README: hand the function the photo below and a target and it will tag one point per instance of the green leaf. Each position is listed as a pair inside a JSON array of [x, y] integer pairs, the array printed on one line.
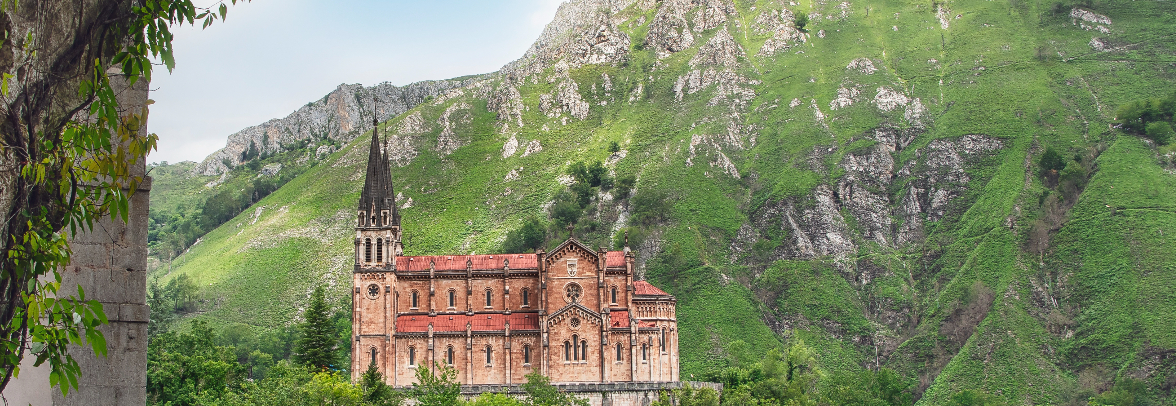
[[223, 10]]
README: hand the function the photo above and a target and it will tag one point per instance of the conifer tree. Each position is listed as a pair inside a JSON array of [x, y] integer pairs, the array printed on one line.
[[316, 347], [375, 391]]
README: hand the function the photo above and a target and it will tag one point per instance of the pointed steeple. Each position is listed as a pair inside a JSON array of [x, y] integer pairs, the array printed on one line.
[[378, 195]]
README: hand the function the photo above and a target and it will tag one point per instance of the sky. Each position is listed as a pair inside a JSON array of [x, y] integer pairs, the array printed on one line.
[[270, 57]]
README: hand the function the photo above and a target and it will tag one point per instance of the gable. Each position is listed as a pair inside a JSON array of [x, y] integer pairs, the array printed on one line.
[[573, 248], [574, 310]]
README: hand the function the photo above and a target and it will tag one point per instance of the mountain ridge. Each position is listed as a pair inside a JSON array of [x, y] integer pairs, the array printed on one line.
[[870, 186]]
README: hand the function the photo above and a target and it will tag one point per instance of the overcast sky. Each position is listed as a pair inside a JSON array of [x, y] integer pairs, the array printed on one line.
[[273, 56]]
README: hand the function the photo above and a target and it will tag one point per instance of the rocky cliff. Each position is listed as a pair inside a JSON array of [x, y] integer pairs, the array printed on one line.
[[340, 116]]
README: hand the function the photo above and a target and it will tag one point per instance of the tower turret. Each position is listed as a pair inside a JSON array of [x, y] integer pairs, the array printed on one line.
[[378, 221]]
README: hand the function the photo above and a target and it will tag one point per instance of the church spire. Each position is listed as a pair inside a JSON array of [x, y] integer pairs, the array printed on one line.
[[378, 197]]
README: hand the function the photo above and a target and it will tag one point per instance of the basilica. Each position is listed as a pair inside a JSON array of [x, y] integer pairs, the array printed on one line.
[[574, 314]]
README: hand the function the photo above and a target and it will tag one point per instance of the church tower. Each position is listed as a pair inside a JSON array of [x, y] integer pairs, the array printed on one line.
[[377, 231], [377, 244]]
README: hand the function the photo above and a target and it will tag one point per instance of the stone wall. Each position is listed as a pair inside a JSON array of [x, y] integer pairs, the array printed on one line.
[[599, 394], [110, 264]]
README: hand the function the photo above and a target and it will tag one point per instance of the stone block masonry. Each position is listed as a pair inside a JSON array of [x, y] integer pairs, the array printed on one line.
[[110, 264]]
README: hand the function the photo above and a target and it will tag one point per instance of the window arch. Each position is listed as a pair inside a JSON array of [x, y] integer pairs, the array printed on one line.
[[526, 297], [384, 218], [489, 297], [583, 350], [614, 295], [567, 351], [644, 352], [452, 298], [663, 339], [379, 250], [367, 250], [361, 219], [411, 355], [415, 298], [620, 352], [373, 355], [449, 355], [526, 354], [489, 351], [575, 347]]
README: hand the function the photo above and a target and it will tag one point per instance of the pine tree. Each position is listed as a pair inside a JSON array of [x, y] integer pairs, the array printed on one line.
[[316, 347], [375, 391]]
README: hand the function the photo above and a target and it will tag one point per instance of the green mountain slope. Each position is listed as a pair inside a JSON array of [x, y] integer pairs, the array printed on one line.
[[870, 186]]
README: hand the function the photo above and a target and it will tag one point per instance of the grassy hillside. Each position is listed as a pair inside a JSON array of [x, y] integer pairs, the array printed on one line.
[[871, 186]]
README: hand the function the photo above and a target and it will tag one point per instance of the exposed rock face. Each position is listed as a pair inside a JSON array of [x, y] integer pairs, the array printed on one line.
[[720, 50], [583, 31], [341, 116], [448, 141], [565, 99], [713, 14], [782, 26], [924, 189], [669, 32]]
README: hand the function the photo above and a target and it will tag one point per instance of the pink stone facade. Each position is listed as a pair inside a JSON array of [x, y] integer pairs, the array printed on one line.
[[574, 314]]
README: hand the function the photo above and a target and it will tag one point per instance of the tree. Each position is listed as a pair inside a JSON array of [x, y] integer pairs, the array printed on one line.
[[439, 389], [540, 392], [614, 147], [494, 399], [1051, 160], [375, 391], [802, 20], [316, 347], [1160, 132], [184, 368], [688, 395], [526, 238], [70, 156]]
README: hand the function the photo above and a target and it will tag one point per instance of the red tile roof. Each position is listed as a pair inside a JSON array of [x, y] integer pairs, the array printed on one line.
[[645, 323], [458, 262], [614, 259], [457, 322], [619, 319], [647, 289]]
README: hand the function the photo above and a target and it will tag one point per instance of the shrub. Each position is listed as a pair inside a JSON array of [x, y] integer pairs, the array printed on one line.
[[1052, 160], [624, 186], [802, 20], [1160, 132], [565, 212], [526, 238], [614, 147]]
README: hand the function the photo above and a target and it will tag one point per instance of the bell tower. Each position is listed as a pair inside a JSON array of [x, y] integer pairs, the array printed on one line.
[[377, 228], [377, 244]]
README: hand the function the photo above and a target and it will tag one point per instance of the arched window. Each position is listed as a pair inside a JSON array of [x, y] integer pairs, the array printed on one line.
[[415, 296], [526, 354], [361, 219], [584, 350], [488, 352], [620, 352], [411, 355], [663, 339], [452, 298], [526, 297], [644, 352], [449, 355], [373, 355], [379, 250], [614, 295], [567, 351], [367, 250], [575, 348], [489, 294], [384, 218]]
